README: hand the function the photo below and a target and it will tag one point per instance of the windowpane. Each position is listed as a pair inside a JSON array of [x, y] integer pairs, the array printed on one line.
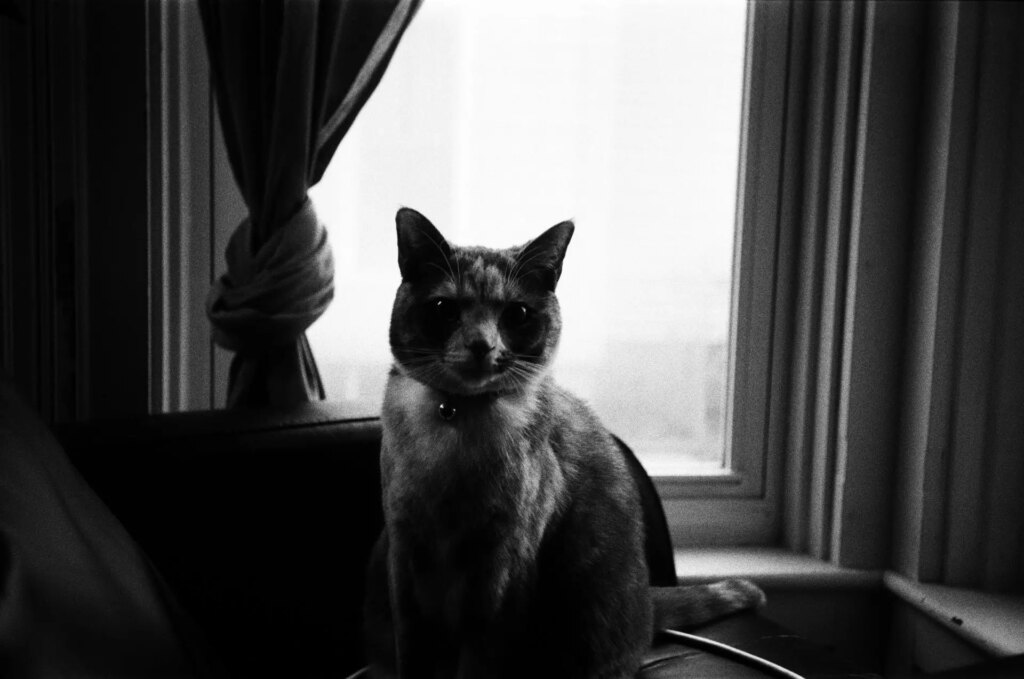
[[497, 120]]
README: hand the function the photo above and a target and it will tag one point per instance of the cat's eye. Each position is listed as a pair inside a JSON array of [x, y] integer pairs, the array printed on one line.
[[516, 315], [444, 309]]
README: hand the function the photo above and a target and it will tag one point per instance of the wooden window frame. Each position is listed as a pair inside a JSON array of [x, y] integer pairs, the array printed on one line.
[[741, 505]]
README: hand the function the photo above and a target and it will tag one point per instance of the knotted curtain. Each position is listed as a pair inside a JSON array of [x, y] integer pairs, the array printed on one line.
[[290, 76]]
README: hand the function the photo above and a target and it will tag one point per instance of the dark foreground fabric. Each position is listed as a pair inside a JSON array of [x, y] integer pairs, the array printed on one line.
[[77, 596], [260, 521]]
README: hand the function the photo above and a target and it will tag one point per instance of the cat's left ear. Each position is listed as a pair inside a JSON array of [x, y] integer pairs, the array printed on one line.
[[541, 258]]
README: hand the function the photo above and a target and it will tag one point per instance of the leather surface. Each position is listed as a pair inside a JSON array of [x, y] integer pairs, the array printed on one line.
[[259, 522], [753, 633]]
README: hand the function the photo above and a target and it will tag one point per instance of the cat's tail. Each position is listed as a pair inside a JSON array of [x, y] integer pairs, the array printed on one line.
[[686, 607]]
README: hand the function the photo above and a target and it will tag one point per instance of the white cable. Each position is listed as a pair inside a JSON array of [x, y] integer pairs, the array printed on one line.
[[731, 652], [700, 642]]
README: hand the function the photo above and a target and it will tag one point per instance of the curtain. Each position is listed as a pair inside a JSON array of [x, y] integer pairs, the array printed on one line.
[[960, 473], [825, 62], [290, 77], [901, 194]]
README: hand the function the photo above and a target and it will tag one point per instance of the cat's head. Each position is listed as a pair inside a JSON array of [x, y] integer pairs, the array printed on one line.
[[472, 320]]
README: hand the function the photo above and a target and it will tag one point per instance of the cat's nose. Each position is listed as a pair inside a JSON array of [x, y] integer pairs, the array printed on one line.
[[479, 347]]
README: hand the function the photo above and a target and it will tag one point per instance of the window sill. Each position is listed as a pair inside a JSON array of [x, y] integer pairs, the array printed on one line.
[[990, 621], [769, 567]]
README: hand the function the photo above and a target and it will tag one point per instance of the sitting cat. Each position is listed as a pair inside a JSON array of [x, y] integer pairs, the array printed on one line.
[[514, 543]]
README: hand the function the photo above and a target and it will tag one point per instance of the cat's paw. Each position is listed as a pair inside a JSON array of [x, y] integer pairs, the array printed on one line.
[[742, 594]]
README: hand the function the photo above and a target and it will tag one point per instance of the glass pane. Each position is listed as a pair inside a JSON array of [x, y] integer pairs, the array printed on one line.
[[499, 119]]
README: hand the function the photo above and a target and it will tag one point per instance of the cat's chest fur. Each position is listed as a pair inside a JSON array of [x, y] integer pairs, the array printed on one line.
[[466, 497], [491, 455]]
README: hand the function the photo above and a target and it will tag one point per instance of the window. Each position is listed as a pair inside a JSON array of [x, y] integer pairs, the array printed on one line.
[[657, 125], [498, 120]]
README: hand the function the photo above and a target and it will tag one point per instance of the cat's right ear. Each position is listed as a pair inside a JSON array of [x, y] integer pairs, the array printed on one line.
[[420, 245]]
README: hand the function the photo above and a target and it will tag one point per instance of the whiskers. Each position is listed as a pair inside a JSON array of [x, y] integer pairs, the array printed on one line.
[[513, 372], [415, 351], [421, 363], [431, 373], [523, 374]]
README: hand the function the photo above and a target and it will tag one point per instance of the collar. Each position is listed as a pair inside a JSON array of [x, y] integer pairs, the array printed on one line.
[[450, 406]]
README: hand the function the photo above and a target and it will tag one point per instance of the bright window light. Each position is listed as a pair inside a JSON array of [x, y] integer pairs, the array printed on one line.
[[497, 120]]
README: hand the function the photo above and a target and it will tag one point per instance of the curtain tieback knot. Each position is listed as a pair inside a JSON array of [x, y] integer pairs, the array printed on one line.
[[270, 297]]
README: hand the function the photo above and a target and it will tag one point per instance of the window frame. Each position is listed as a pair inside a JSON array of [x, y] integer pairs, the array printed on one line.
[[742, 504], [191, 186]]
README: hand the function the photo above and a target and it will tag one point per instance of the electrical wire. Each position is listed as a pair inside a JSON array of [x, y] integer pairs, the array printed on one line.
[[703, 643], [731, 652]]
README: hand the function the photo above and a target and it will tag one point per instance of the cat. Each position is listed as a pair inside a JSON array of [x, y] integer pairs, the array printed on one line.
[[513, 542]]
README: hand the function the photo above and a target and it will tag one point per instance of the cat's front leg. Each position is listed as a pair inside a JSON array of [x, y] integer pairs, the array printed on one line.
[[411, 658], [419, 642], [378, 623], [397, 638]]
